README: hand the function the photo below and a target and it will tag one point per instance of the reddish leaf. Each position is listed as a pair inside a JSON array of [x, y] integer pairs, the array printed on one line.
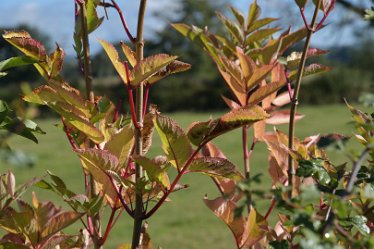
[[265, 91], [27, 45], [282, 117], [232, 104], [202, 132], [225, 210]]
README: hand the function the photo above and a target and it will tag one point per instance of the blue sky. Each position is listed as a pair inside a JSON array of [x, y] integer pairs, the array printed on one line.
[[56, 18]]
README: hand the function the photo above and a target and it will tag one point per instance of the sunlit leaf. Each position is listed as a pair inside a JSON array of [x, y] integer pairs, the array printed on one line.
[[174, 141], [238, 15], [293, 60], [56, 60], [202, 132], [156, 169], [172, 68], [257, 227], [97, 162], [260, 23], [114, 58], [130, 54], [232, 27], [16, 62], [260, 35], [282, 117], [149, 67], [120, 144], [259, 73], [93, 21], [263, 92], [215, 167], [26, 44], [225, 210], [310, 70], [253, 13]]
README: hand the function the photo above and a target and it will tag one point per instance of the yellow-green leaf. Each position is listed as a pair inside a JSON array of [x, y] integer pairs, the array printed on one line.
[[120, 144], [114, 58], [174, 141], [156, 169], [215, 167]]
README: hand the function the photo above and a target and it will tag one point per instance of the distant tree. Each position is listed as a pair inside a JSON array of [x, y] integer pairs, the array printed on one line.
[[202, 83]]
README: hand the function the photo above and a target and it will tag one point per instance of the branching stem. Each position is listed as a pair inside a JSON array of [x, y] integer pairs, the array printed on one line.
[[295, 102]]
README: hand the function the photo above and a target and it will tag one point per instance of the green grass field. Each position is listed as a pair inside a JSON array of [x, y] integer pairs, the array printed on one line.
[[185, 222]]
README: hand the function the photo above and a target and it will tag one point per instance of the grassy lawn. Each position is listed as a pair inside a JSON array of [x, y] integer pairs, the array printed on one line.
[[185, 222]]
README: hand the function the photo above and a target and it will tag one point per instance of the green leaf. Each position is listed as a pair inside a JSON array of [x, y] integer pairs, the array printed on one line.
[[12, 245], [156, 169], [70, 95], [18, 127], [265, 91], [215, 167], [291, 39], [4, 110], [174, 141], [260, 23], [114, 58], [253, 13], [75, 118], [16, 62], [310, 70], [282, 244], [259, 74], [359, 222], [42, 96], [369, 14], [120, 144], [150, 66], [202, 132], [93, 21], [260, 35], [238, 15], [315, 169], [172, 68], [232, 27], [97, 162], [301, 3], [59, 222]]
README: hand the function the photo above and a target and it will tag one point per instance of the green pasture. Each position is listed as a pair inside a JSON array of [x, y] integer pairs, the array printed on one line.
[[185, 222]]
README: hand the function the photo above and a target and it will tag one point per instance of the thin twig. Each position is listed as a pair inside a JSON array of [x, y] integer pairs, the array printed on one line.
[[124, 24], [294, 102], [356, 168]]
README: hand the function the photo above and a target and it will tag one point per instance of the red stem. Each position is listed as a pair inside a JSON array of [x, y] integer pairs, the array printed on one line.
[[119, 195], [109, 226], [131, 38], [131, 97], [271, 208], [175, 182], [147, 87], [117, 111], [304, 19], [68, 135]]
